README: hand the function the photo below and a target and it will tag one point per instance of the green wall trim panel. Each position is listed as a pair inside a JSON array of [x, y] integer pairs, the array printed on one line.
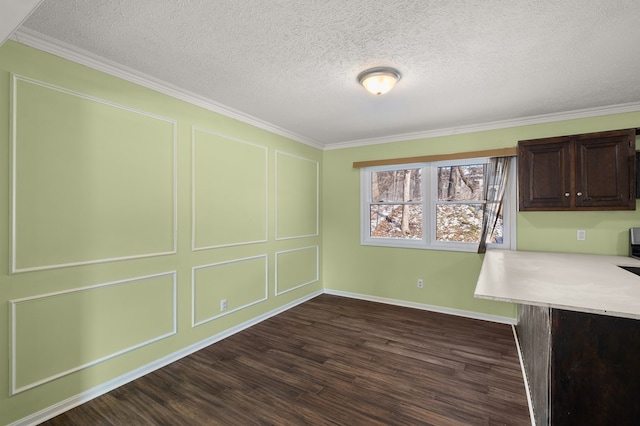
[[89, 394], [88, 193], [239, 282], [297, 196], [82, 327], [229, 192], [296, 268]]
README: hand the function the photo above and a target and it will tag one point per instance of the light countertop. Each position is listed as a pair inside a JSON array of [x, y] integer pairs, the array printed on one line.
[[578, 282]]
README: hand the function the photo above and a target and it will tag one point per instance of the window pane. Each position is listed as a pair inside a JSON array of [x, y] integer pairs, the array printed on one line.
[[461, 183], [396, 221], [458, 222], [396, 185]]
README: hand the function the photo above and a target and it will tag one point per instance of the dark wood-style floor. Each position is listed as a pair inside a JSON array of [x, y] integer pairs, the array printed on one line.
[[332, 361]]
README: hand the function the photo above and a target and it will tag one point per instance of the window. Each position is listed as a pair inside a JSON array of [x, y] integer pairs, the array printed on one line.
[[432, 205], [396, 203]]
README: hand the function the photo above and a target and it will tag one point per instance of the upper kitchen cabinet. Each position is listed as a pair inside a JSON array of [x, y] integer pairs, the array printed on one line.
[[593, 171]]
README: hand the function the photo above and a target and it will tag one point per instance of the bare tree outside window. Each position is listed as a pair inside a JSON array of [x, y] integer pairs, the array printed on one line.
[[396, 204], [451, 206], [459, 204]]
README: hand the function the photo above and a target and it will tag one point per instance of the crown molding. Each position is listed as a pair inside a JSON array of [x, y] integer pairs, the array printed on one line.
[[494, 125], [50, 45], [64, 50]]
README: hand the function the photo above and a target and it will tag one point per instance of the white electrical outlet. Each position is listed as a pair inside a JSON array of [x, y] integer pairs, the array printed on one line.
[[223, 305], [582, 235], [420, 283]]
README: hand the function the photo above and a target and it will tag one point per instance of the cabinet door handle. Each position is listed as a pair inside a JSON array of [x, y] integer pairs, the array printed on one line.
[[579, 194], [567, 194]]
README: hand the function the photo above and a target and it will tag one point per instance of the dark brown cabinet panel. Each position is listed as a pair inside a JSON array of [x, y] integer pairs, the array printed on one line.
[[604, 171], [544, 170], [594, 171], [581, 368], [595, 369]]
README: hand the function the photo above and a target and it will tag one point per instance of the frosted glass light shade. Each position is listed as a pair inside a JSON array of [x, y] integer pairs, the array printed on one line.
[[379, 81]]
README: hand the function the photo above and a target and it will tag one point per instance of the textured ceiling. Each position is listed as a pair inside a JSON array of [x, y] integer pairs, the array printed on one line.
[[293, 63]]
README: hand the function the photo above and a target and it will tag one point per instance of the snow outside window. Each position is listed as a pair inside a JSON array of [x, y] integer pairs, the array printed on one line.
[[432, 206]]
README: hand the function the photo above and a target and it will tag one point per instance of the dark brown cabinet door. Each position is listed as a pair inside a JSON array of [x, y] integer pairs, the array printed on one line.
[[594, 171], [595, 369], [604, 171], [544, 174]]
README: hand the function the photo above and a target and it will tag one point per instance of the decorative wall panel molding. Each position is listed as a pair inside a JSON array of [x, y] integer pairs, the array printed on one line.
[[297, 196], [91, 180], [229, 191], [82, 327], [240, 283], [296, 268], [88, 395]]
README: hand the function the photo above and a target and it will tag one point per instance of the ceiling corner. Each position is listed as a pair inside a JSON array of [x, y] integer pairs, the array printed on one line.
[[14, 13]]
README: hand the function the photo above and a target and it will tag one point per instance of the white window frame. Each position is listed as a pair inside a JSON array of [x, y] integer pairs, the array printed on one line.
[[429, 193]]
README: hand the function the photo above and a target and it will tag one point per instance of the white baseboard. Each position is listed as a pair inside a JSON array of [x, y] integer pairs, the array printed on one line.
[[92, 393], [524, 377], [81, 398], [424, 307]]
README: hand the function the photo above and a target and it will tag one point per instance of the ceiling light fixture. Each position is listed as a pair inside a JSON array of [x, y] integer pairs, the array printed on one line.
[[379, 80]]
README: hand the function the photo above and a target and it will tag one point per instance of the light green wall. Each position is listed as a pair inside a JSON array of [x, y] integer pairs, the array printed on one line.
[[64, 192], [450, 277], [104, 170], [70, 204]]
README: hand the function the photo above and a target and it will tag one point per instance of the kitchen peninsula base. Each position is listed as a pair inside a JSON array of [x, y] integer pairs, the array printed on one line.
[[582, 368], [578, 331]]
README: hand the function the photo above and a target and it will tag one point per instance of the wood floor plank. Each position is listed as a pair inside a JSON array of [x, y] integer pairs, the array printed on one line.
[[332, 361]]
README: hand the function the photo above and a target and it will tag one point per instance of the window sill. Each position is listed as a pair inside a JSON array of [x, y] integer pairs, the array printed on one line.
[[418, 244]]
